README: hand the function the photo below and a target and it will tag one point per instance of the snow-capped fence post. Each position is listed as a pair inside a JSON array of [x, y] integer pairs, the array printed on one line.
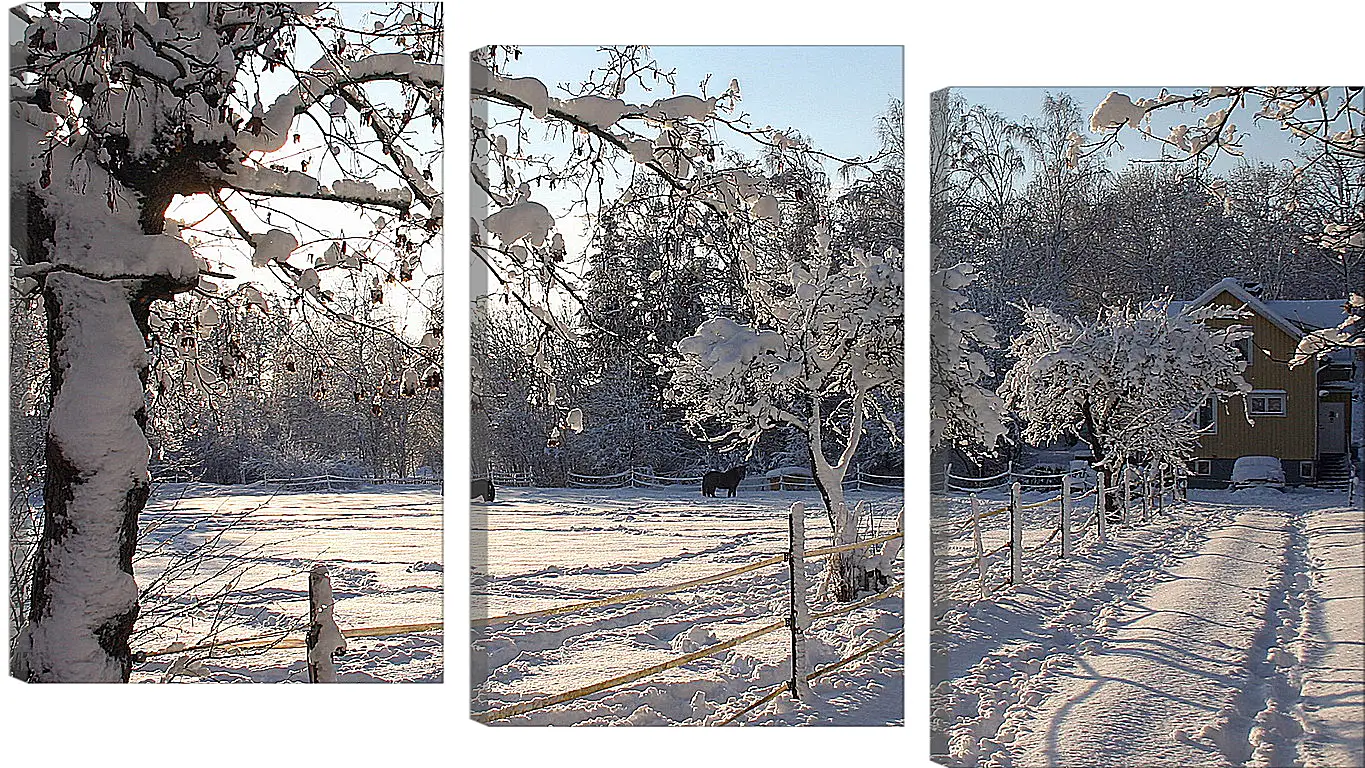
[[1101, 506], [325, 641], [798, 617], [1016, 535], [978, 552], [947, 477], [1009, 471], [1066, 516]]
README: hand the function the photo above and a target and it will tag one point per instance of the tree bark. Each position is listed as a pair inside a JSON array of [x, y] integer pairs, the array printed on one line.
[[84, 600], [846, 567]]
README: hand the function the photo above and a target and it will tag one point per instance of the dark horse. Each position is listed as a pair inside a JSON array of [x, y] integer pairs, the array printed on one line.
[[484, 489], [728, 480]]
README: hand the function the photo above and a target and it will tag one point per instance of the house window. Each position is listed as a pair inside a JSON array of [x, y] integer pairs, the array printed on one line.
[[1201, 467], [1267, 404], [1306, 470], [1206, 418]]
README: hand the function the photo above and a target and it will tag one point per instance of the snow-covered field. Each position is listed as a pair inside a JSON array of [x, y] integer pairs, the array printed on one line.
[[1227, 631], [538, 548], [221, 562]]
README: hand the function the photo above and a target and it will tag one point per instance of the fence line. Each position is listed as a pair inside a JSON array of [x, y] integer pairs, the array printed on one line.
[[637, 477], [1005, 478], [855, 545], [795, 621], [850, 607], [1144, 491], [625, 598], [630, 677], [310, 481], [282, 642], [542, 702]]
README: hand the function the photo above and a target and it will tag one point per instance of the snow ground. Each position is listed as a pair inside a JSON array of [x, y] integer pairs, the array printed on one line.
[[538, 548], [383, 548], [1225, 632]]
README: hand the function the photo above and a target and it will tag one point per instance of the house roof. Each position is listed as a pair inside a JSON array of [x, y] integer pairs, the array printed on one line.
[[1295, 317], [1311, 315]]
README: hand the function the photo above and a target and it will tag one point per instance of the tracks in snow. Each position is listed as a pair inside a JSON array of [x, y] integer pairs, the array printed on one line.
[[1183, 659]]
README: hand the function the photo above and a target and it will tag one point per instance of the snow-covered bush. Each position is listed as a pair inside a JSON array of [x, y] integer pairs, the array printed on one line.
[[963, 412]]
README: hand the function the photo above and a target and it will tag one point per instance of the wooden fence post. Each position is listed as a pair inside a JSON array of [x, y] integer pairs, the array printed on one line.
[[1127, 492], [325, 641], [1101, 506], [1066, 516], [1160, 488], [977, 549], [947, 477], [799, 616], [1016, 535]]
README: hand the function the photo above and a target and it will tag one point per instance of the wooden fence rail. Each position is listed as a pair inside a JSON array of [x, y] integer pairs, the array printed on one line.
[[796, 621], [1140, 495]]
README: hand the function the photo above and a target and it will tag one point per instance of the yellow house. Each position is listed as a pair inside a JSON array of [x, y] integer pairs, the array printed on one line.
[[1299, 415]]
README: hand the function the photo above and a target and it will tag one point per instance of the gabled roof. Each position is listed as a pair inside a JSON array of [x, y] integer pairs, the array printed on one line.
[[1233, 286], [1296, 316]]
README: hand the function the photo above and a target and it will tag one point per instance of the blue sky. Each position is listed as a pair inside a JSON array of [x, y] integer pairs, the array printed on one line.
[[832, 94], [1263, 141]]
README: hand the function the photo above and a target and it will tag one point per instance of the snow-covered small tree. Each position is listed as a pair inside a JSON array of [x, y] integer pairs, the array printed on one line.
[[826, 347], [1128, 383], [963, 412]]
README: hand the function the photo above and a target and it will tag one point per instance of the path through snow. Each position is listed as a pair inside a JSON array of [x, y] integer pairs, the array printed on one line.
[[1227, 635]]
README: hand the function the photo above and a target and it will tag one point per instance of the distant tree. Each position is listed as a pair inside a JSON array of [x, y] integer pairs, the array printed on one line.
[[120, 109]]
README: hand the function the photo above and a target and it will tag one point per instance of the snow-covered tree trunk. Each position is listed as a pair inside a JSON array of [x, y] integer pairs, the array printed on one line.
[[846, 568], [84, 598]]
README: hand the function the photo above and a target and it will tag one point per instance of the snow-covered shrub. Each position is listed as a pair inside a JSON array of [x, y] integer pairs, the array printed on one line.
[[963, 412]]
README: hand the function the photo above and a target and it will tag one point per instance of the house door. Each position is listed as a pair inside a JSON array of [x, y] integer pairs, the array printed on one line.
[[1331, 428]]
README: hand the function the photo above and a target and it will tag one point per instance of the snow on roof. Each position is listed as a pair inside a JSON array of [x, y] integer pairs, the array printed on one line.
[[1295, 317], [1312, 315]]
